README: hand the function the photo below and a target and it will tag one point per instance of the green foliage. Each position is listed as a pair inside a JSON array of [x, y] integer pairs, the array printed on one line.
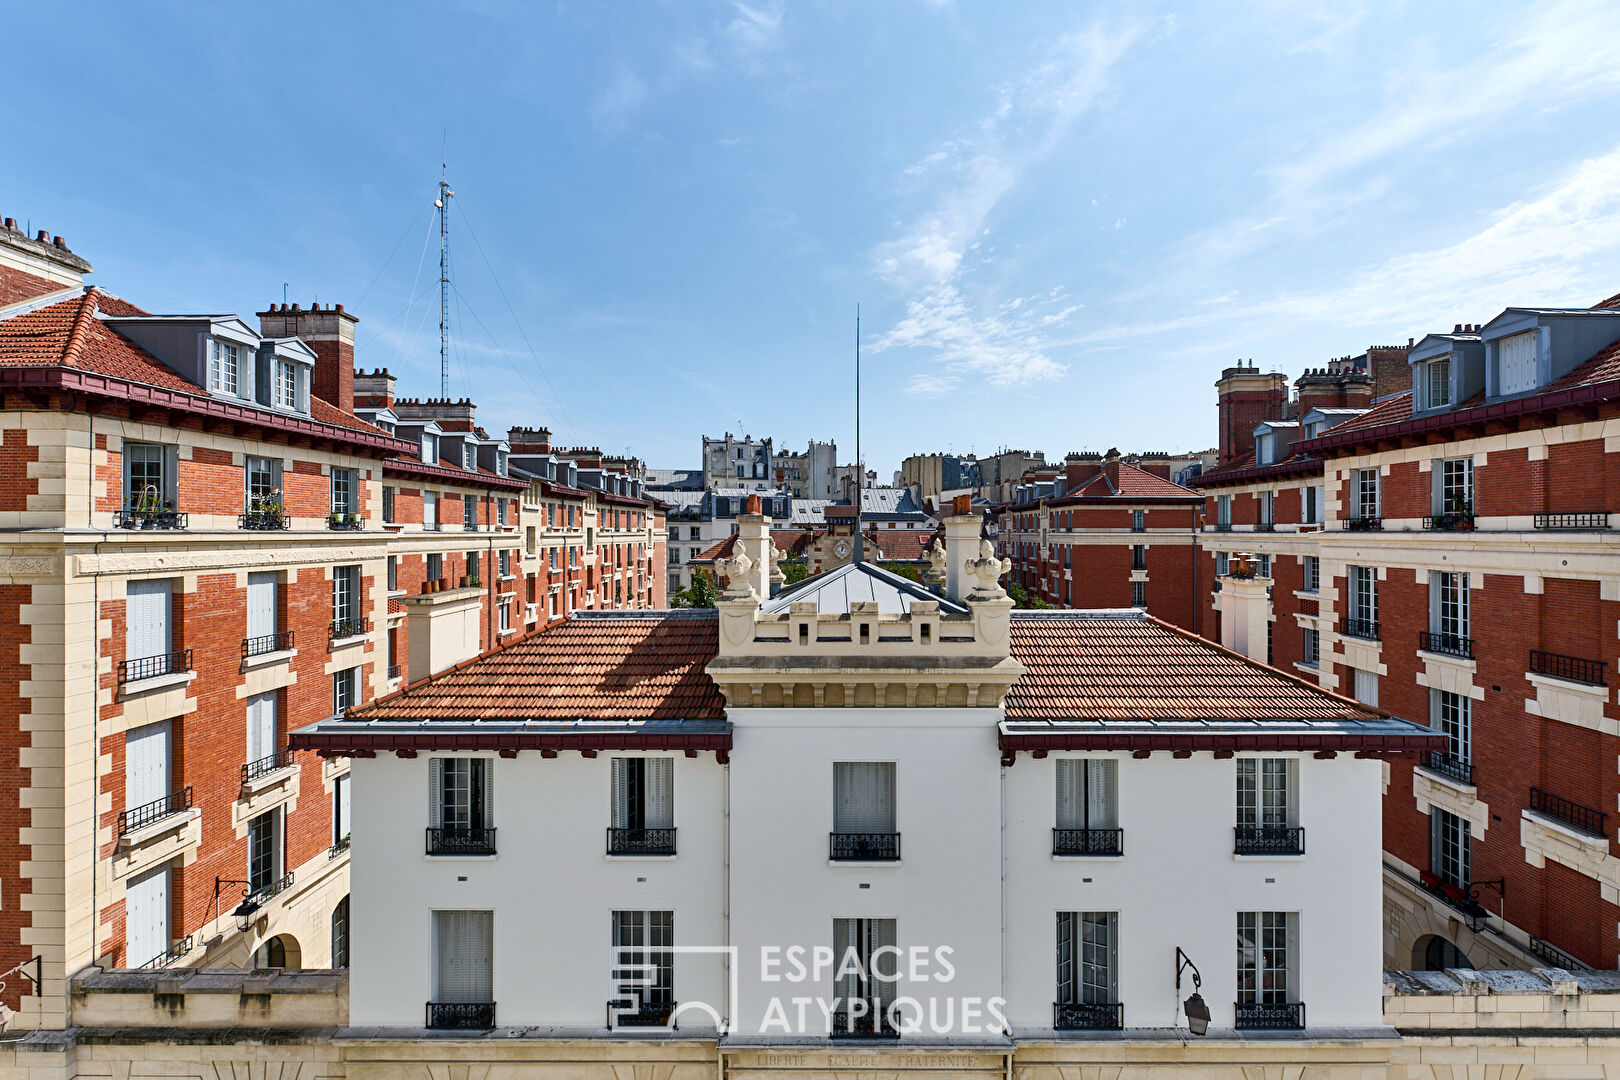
[[1023, 599], [702, 593], [794, 570], [907, 570]]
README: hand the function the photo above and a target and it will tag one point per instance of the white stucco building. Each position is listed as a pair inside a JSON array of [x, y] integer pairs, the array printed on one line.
[[865, 809]]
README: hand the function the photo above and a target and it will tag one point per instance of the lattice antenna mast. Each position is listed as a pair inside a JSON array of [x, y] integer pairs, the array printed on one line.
[[860, 465], [443, 204]]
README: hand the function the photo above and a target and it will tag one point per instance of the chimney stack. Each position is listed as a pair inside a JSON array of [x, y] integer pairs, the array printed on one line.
[[962, 528], [46, 257], [329, 331], [524, 440], [1111, 467], [1246, 397]]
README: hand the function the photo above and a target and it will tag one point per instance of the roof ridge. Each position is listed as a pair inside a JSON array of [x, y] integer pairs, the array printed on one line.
[[82, 321]]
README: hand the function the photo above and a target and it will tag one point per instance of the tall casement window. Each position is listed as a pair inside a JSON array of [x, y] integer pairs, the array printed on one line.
[[345, 499], [1311, 504], [264, 852], [1138, 520], [1088, 970], [1437, 384], [147, 779], [1364, 494], [340, 934], [643, 968], [1268, 509], [1454, 489], [346, 619], [1312, 648], [461, 806], [223, 366], [340, 810], [345, 690], [262, 622], [1267, 810], [393, 573], [430, 511], [146, 916], [858, 945], [1138, 556], [1516, 363], [1365, 686], [430, 448], [1139, 594], [1450, 714], [1223, 563], [263, 479], [1448, 614], [864, 811], [388, 504], [643, 810], [148, 640], [463, 970], [287, 385], [1223, 511], [150, 471], [1268, 970], [1362, 612], [1311, 567], [1450, 847], [435, 566], [1087, 807], [261, 734]]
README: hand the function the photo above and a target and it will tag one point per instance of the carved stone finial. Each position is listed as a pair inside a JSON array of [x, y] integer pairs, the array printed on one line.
[[737, 569], [986, 572], [935, 575], [774, 553]]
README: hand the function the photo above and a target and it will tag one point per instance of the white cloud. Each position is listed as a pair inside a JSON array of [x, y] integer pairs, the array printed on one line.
[[618, 101], [1030, 116], [755, 29]]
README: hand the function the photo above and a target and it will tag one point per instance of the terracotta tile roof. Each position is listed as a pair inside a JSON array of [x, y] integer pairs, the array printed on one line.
[[1604, 367], [1241, 464], [1389, 411], [903, 545], [617, 666], [1131, 666], [1133, 483], [790, 542], [19, 285], [1611, 302]]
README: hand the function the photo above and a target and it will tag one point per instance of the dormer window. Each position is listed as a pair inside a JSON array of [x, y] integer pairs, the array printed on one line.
[[430, 448], [500, 463], [1263, 449], [223, 363], [1516, 363], [468, 457], [286, 385], [1437, 383]]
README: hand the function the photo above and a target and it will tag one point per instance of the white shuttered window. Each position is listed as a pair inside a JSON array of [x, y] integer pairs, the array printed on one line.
[[146, 619], [863, 797], [146, 916], [146, 770], [261, 605], [1087, 793], [464, 957], [261, 726], [1516, 363]]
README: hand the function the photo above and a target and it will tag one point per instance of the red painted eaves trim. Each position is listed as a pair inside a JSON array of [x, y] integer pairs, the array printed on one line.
[[1347, 742], [1307, 467], [410, 467], [367, 744]]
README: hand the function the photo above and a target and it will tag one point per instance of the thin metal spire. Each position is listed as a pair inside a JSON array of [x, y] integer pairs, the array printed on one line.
[[860, 466], [443, 203]]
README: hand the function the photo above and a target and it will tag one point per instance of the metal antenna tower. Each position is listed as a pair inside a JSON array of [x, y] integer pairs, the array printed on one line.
[[443, 204], [860, 465]]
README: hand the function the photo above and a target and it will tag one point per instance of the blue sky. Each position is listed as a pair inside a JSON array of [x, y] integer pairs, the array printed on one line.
[[1060, 219]]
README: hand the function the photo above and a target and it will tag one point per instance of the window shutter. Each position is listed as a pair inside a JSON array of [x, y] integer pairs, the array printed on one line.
[[620, 806], [1102, 806], [1070, 808], [660, 804], [261, 605], [864, 796], [146, 617], [1517, 363], [435, 792], [1065, 957], [146, 769], [261, 721], [146, 916], [484, 773], [1247, 795], [340, 789]]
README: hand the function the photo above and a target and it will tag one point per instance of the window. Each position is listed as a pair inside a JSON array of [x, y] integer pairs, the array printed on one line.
[[863, 798], [430, 511], [463, 958], [345, 689], [146, 767], [553, 554], [1450, 714], [469, 456], [500, 462], [146, 916], [222, 366], [343, 492], [286, 385], [147, 631], [500, 511], [1437, 383], [1138, 520], [1365, 686], [692, 533], [1450, 847], [264, 851], [435, 566], [1264, 567], [1364, 494], [506, 615], [1138, 556], [506, 562], [1267, 957], [149, 476], [388, 504], [1454, 486], [644, 966], [472, 567], [461, 796], [340, 808], [1448, 610], [340, 934], [1516, 363], [864, 953], [1263, 788], [1364, 597], [1268, 508], [1139, 594], [393, 573], [1311, 572], [1223, 510], [263, 477], [345, 600], [261, 612], [643, 793], [1223, 562], [1312, 648], [1088, 800], [430, 448], [1263, 448], [1087, 961], [1311, 499], [261, 727]]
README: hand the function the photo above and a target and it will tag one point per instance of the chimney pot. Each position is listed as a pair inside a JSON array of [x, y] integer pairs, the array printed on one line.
[[295, 307], [340, 307], [11, 223], [1456, 328], [61, 243], [43, 237]]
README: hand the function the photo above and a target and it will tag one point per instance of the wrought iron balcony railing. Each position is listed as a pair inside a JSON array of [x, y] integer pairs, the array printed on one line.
[[1446, 644], [169, 955], [280, 641], [252, 770], [641, 841], [869, 1025], [338, 848], [1268, 840], [1577, 519], [1222, 526], [175, 662], [1572, 668], [265, 893], [1460, 521], [1077, 1016], [1275, 1015], [139, 817], [465, 840], [1571, 813], [1366, 629], [1448, 766], [470, 526], [461, 1015], [394, 671], [1362, 524], [864, 847], [348, 628], [1265, 526], [1088, 841], [626, 1013], [264, 519], [150, 519]]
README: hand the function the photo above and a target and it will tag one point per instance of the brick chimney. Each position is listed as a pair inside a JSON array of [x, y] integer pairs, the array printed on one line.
[[1390, 372], [1245, 397], [374, 389], [30, 267], [1340, 385], [525, 440], [1111, 467], [329, 331]]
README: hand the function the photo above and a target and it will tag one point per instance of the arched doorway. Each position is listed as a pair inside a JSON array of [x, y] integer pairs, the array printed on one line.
[[1435, 953], [281, 951], [340, 934]]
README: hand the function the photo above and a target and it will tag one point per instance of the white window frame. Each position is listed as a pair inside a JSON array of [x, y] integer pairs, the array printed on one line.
[[224, 367]]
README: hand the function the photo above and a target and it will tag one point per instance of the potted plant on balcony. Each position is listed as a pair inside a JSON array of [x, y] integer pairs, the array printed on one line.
[[334, 521], [473, 581], [264, 511], [1461, 515], [351, 521]]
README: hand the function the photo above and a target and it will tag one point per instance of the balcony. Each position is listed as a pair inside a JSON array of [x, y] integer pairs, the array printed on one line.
[[1261, 1016], [131, 518], [469, 526], [1446, 644], [343, 629], [864, 847], [1581, 817], [1572, 668], [464, 840], [1088, 841], [1366, 629], [264, 520], [641, 841], [281, 641], [338, 848], [1362, 524], [345, 522], [177, 662], [252, 770], [1100, 1016], [1268, 840], [169, 955], [461, 1015], [265, 893], [1222, 526], [1458, 896], [394, 672], [141, 816], [849, 1025], [1460, 521], [1265, 526], [1577, 519], [626, 1013], [1450, 767]]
